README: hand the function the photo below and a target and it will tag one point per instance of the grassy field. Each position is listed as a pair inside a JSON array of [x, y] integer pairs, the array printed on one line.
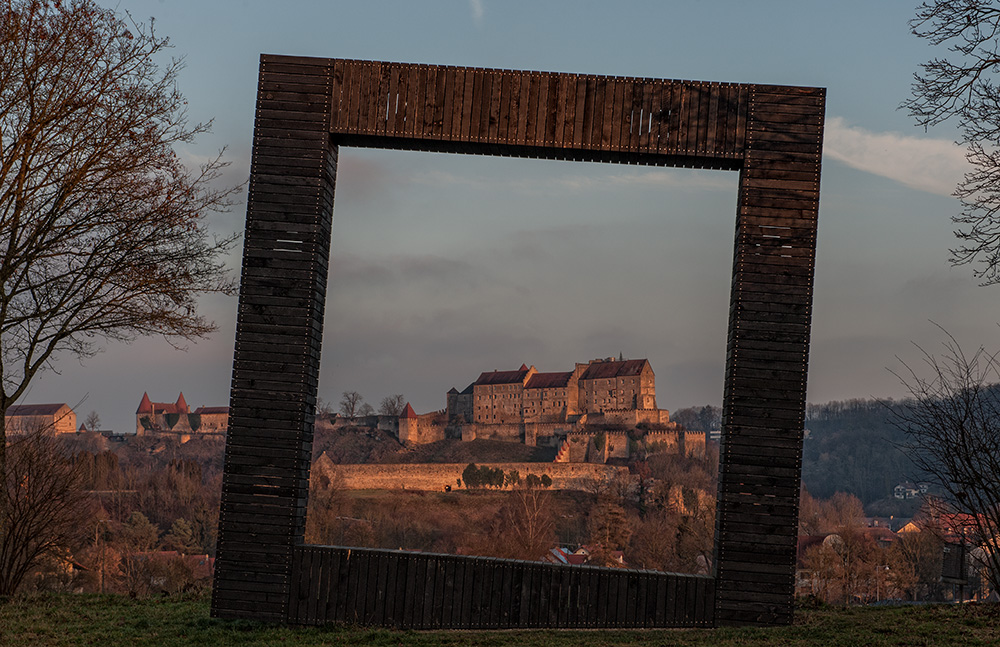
[[170, 622]]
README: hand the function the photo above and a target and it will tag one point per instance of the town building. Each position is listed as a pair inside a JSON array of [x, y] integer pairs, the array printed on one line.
[[26, 418]]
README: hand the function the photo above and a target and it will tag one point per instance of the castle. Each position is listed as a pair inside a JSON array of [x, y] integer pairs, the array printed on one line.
[[600, 391], [569, 410], [177, 418]]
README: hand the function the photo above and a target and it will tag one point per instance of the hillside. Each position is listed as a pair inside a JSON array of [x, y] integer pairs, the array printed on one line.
[[347, 445]]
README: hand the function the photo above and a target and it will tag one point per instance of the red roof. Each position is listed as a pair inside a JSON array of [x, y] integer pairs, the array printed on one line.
[[34, 409], [548, 380], [603, 370], [201, 410], [502, 377], [145, 406], [408, 412]]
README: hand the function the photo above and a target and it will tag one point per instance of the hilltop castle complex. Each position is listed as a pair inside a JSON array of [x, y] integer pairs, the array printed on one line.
[[604, 401]]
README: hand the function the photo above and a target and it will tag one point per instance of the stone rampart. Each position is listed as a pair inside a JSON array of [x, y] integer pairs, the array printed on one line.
[[435, 476]]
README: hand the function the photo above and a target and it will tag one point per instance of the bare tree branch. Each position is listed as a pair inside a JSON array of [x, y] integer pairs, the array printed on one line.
[[952, 426], [102, 227], [961, 88]]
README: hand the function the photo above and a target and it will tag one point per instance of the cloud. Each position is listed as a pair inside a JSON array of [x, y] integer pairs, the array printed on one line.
[[932, 165], [477, 11]]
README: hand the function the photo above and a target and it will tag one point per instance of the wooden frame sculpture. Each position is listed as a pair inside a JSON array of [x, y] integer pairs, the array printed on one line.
[[306, 109]]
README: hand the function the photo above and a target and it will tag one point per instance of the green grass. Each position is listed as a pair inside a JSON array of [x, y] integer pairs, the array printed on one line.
[[113, 620]]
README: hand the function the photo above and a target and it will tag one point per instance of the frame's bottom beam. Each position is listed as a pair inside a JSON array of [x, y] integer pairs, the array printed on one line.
[[429, 591]]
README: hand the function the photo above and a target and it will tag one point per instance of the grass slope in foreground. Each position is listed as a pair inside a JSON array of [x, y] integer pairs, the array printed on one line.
[[109, 620]]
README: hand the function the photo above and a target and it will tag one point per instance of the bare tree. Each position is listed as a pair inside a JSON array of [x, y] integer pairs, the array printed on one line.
[[350, 404], [102, 227], [93, 421], [392, 405], [42, 506], [952, 428], [961, 87]]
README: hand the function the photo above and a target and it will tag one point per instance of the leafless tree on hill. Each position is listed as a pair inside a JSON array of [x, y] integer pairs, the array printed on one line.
[[350, 404], [953, 436], [392, 405], [93, 421]]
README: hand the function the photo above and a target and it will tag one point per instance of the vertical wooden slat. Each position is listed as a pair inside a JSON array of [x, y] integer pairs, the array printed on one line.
[[337, 109], [365, 98], [541, 109], [618, 117], [484, 109], [579, 111], [496, 95], [666, 136], [562, 104], [382, 99], [741, 120], [569, 118], [712, 144], [430, 101], [506, 106], [523, 98], [451, 118], [440, 96], [467, 84]]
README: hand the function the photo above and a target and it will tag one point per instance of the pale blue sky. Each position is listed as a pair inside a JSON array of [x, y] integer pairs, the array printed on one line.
[[445, 266]]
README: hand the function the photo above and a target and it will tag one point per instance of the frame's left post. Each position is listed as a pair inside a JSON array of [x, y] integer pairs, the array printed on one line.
[[278, 338]]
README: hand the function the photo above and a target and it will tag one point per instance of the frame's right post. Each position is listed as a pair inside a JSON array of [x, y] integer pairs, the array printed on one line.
[[767, 357]]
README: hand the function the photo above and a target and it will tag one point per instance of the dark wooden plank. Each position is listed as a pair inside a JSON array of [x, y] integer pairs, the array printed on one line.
[[507, 96], [484, 109], [441, 90], [429, 593], [550, 111], [617, 109], [564, 116], [579, 111], [541, 109], [428, 108], [523, 100], [600, 104], [496, 97], [607, 124]]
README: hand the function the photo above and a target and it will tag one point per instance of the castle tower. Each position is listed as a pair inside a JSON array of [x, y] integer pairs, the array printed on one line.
[[408, 425]]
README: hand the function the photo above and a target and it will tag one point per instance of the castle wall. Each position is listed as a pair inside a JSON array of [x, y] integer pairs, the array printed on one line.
[[435, 476], [420, 430]]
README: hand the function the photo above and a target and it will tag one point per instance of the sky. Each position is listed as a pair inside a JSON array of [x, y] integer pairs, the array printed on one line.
[[444, 266]]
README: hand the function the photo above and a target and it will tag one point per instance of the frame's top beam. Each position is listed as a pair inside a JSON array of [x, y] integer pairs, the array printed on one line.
[[529, 114]]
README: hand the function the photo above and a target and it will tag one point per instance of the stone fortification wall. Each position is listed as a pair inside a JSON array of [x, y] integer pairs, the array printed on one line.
[[435, 476]]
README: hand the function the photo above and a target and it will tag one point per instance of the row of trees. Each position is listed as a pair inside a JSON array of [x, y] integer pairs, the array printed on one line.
[[474, 477], [353, 405]]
